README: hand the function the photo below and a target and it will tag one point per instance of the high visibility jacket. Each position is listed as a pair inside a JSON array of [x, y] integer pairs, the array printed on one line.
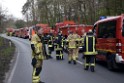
[[36, 41], [89, 45], [78, 40], [71, 41], [50, 41], [59, 42]]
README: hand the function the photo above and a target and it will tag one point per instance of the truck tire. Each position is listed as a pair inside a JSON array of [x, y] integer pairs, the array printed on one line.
[[111, 63]]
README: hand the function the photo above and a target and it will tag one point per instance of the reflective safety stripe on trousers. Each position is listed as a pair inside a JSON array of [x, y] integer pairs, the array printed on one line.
[[50, 45], [35, 79]]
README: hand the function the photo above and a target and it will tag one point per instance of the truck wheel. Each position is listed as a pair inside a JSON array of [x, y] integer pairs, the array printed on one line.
[[111, 63]]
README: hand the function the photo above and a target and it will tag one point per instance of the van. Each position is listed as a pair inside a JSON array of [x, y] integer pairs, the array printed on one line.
[[110, 40]]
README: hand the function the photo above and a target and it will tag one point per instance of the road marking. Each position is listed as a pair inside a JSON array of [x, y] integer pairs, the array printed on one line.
[[76, 60], [13, 69], [80, 62]]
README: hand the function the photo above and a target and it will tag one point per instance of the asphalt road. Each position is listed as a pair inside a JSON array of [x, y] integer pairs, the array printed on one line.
[[57, 71]]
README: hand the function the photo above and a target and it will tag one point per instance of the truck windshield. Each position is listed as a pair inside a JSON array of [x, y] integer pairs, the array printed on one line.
[[107, 29]]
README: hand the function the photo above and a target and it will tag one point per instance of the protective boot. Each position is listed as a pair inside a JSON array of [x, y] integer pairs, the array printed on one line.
[[57, 57], [69, 62], [74, 62], [41, 82], [86, 68], [92, 69]]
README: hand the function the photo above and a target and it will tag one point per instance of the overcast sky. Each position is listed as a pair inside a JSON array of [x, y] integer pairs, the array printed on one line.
[[13, 7]]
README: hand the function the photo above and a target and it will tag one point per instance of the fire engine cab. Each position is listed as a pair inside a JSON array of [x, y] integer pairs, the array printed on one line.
[[110, 40]]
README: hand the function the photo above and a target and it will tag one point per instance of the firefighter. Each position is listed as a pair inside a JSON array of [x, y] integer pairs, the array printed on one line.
[[44, 42], [89, 51], [37, 55], [59, 46], [82, 43], [50, 44], [77, 44], [71, 48]]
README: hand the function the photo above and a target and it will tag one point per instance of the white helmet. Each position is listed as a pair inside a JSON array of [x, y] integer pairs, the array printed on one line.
[[84, 34], [90, 30]]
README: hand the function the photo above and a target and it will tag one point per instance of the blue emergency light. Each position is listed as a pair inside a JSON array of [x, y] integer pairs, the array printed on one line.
[[102, 17]]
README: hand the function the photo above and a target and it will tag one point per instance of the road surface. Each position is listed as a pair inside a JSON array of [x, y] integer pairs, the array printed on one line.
[[57, 71]]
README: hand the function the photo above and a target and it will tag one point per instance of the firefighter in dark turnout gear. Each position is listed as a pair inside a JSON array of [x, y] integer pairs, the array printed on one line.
[[59, 46], [44, 42], [37, 55], [50, 45], [89, 51]]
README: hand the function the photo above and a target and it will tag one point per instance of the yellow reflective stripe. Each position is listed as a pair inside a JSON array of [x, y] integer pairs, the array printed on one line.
[[93, 44], [92, 64], [86, 64], [36, 81], [66, 40], [90, 53], [72, 47], [33, 42], [50, 45], [61, 54], [36, 77], [58, 48], [78, 39], [86, 44]]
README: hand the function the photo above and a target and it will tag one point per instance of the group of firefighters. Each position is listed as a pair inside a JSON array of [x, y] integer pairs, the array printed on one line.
[[42, 48]]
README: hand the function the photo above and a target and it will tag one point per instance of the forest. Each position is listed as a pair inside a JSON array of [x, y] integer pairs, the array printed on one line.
[[53, 11], [81, 11]]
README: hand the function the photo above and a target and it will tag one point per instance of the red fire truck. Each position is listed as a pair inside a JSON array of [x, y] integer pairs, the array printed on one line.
[[24, 32], [110, 40], [45, 27], [80, 29], [61, 24], [16, 32], [68, 26], [9, 31]]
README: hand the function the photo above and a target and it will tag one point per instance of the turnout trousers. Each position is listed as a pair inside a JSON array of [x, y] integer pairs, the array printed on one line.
[[89, 62], [71, 55], [59, 54]]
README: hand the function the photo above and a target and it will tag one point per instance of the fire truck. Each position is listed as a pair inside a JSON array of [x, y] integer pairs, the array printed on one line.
[[24, 32], [79, 29], [16, 32], [45, 27], [110, 40], [9, 31], [62, 24], [67, 26]]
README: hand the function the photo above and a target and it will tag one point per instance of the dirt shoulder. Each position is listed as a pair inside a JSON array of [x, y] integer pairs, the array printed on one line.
[[7, 51]]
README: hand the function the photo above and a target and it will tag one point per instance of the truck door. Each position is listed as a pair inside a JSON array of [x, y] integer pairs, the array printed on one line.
[[123, 39]]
